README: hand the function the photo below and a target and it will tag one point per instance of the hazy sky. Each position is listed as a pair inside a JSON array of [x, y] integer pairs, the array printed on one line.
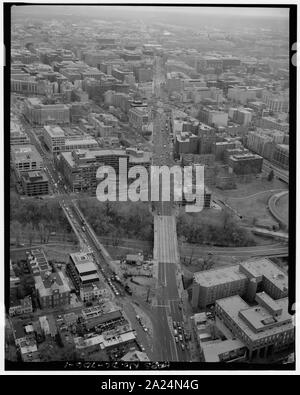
[[220, 10]]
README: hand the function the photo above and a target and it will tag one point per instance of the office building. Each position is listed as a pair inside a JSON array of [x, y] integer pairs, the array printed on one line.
[[265, 276], [242, 94], [186, 143], [265, 328], [276, 102], [245, 279], [25, 158], [263, 142], [281, 156], [241, 116], [38, 113], [246, 163], [18, 137], [210, 285], [206, 63], [138, 117], [268, 122], [83, 271], [35, 183], [213, 117], [221, 147], [54, 138], [207, 139], [226, 351], [80, 166], [57, 140]]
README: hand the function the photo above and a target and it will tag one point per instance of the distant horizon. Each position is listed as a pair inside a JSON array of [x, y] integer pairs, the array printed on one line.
[[241, 11]]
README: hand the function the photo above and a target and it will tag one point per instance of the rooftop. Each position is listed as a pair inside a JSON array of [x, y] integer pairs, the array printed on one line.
[[265, 267], [25, 153], [83, 262], [215, 277], [34, 176], [47, 285], [212, 351], [135, 356], [54, 131], [256, 322]]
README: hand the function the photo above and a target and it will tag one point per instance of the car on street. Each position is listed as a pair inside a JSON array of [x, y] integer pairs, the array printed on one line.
[[176, 339], [182, 346], [180, 338]]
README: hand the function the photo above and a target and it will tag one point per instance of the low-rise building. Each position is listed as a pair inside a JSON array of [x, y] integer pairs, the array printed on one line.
[[245, 163], [223, 351], [83, 271], [245, 279], [95, 290], [106, 342], [138, 116], [20, 306], [38, 262], [210, 285], [52, 290], [38, 113], [265, 328], [29, 351], [135, 355]]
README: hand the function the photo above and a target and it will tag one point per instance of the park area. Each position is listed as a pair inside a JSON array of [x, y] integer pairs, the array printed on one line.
[[250, 201]]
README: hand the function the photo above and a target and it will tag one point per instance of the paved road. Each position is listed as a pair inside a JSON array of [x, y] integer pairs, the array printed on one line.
[[165, 252], [274, 209], [276, 249]]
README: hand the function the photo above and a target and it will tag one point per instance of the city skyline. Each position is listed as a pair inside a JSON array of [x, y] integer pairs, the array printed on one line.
[[99, 269]]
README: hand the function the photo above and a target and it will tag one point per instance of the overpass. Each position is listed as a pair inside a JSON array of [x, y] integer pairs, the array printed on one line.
[[272, 205]]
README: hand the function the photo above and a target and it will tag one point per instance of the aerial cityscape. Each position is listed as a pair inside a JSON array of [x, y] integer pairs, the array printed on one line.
[[187, 263]]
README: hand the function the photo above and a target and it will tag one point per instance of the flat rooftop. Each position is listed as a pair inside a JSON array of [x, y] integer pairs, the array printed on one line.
[[25, 153], [212, 351], [265, 267], [220, 276], [256, 322], [83, 262], [54, 131], [83, 141], [34, 176]]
